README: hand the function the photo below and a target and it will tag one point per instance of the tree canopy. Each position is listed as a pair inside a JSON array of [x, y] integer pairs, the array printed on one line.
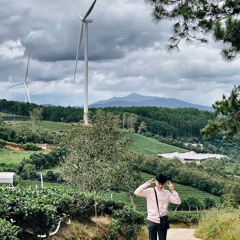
[[227, 113], [98, 157], [195, 19]]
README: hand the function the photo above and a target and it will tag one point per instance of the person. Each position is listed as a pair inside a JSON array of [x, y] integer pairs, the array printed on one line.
[[154, 210]]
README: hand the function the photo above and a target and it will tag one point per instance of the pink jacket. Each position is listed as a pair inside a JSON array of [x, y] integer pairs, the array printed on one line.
[[164, 198]]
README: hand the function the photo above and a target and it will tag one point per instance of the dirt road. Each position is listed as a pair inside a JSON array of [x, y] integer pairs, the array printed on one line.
[[181, 234]]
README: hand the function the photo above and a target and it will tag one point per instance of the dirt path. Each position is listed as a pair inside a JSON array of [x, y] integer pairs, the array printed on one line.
[[181, 234]]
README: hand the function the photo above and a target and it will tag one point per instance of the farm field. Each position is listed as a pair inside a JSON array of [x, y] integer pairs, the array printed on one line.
[[151, 146], [183, 191]]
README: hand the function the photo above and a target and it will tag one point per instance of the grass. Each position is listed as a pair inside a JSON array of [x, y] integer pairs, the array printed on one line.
[[13, 158], [151, 146], [47, 125], [223, 224]]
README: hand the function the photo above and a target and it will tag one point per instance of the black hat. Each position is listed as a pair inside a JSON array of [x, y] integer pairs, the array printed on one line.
[[161, 178]]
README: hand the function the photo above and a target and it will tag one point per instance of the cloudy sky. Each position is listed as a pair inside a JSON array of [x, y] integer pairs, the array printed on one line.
[[126, 54]]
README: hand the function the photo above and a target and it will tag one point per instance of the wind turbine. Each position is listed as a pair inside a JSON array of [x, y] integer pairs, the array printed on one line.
[[27, 96], [84, 26]]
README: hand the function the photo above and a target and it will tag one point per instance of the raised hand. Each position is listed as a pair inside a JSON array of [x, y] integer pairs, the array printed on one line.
[[170, 186], [149, 182]]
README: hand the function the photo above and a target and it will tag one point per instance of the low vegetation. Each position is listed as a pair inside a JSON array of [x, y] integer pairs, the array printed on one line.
[[222, 224], [38, 212]]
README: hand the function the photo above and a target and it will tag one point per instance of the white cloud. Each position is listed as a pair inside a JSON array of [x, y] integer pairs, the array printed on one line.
[[126, 54], [12, 49]]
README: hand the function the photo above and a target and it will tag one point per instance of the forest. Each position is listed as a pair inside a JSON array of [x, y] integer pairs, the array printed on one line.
[[165, 122]]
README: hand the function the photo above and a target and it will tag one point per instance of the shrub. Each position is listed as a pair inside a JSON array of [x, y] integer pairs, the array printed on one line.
[[126, 222], [107, 206], [223, 224], [8, 231], [186, 217]]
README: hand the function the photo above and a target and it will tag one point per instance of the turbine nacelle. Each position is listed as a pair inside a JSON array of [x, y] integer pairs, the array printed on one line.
[[83, 19]]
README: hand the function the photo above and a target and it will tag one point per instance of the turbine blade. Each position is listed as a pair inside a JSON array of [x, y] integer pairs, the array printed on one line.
[[78, 15], [14, 86], [78, 49], [25, 80], [89, 10]]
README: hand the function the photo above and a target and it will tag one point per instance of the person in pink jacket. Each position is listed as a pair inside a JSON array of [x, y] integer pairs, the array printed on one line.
[[158, 199]]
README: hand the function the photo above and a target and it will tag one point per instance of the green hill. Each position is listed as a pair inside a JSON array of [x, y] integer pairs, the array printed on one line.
[[151, 146]]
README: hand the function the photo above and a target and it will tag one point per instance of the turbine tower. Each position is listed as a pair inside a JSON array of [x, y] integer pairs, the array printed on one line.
[[27, 96], [84, 26]]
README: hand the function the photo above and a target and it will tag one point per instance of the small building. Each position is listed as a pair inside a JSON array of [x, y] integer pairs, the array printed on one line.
[[7, 178]]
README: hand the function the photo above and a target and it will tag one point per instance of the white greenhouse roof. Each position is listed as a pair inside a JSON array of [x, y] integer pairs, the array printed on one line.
[[190, 155]]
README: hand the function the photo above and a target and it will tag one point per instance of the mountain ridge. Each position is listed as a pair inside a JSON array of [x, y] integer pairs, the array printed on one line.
[[137, 100]]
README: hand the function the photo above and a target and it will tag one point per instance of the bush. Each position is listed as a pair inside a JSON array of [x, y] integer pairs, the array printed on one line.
[[220, 224], [8, 231], [40, 210], [185, 217], [30, 147], [126, 222], [107, 206]]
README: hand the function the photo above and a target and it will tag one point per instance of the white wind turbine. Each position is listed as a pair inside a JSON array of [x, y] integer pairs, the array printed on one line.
[[27, 96], [84, 26]]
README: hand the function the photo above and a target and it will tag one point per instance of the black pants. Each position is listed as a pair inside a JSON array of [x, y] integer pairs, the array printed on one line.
[[154, 229]]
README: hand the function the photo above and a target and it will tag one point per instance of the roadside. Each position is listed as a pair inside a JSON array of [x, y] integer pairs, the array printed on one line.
[[181, 234]]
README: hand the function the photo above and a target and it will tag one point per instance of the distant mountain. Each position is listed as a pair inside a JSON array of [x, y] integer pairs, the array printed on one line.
[[138, 100]]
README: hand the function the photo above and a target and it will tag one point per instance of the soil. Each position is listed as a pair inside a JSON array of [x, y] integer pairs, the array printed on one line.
[[16, 148], [181, 234]]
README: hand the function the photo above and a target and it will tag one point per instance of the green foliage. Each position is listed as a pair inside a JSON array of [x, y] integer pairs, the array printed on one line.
[[150, 146], [36, 117], [185, 174], [126, 222], [184, 217], [98, 156], [228, 116], [8, 231], [21, 133], [165, 122], [194, 19], [40, 210], [38, 161], [220, 224], [231, 194]]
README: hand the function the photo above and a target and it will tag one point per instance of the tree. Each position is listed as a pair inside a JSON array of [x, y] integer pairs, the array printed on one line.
[[142, 128], [195, 19], [98, 157], [131, 121], [209, 203], [227, 119], [231, 196], [36, 117]]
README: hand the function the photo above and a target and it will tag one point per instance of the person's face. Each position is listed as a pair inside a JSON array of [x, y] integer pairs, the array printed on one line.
[[159, 186]]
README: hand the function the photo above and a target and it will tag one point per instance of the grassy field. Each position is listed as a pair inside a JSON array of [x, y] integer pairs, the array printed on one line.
[[48, 125], [151, 146], [13, 158]]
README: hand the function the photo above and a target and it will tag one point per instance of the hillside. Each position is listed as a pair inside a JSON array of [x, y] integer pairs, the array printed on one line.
[[151, 146]]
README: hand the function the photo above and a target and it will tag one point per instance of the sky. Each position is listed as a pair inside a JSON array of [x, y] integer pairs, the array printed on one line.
[[127, 54]]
